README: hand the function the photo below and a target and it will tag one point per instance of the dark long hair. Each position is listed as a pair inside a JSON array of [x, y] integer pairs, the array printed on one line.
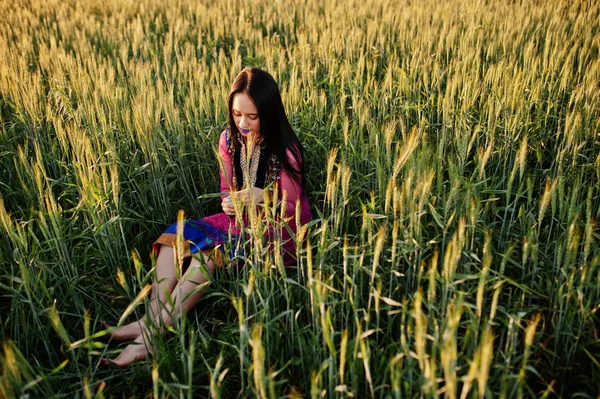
[[278, 135]]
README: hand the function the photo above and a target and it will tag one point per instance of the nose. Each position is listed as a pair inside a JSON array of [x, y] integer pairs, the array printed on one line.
[[244, 122]]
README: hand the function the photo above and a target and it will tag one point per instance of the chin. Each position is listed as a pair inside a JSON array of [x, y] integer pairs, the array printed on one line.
[[248, 133]]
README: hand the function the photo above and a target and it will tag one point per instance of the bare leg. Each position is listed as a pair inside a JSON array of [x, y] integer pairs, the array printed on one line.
[[184, 296], [163, 284]]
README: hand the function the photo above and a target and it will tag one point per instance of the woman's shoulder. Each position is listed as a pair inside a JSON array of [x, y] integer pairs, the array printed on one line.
[[293, 153], [224, 142], [224, 138], [225, 133]]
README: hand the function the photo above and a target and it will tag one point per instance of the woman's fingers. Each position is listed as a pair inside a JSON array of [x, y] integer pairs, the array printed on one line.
[[244, 197], [227, 206], [257, 193], [248, 195]]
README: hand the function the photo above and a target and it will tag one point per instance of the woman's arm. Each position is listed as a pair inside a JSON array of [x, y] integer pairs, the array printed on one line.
[[225, 166], [225, 174], [289, 186], [226, 179]]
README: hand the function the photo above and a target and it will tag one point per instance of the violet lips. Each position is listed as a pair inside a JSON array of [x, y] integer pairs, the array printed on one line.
[[244, 131]]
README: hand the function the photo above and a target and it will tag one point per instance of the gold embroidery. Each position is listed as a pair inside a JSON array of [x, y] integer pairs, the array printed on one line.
[[250, 169]]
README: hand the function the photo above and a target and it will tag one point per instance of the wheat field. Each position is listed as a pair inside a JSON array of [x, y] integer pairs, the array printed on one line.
[[453, 164]]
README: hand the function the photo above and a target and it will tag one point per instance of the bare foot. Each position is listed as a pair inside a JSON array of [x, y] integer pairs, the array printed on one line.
[[132, 353], [126, 332]]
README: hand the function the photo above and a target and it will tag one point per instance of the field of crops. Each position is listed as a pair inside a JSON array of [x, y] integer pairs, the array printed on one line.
[[453, 160]]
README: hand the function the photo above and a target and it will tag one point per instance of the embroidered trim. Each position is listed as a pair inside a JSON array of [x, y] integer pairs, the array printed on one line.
[[250, 170], [249, 160], [273, 172]]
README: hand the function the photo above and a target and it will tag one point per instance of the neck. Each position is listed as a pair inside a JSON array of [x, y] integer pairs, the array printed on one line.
[[251, 139]]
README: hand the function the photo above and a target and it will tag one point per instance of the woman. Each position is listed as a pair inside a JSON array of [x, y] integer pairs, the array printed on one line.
[[259, 154]]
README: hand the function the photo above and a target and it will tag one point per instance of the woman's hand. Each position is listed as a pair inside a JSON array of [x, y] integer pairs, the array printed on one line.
[[245, 197], [227, 206], [248, 194]]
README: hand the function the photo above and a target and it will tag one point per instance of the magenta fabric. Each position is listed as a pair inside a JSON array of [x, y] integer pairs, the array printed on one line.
[[222, 222], [287, 185]]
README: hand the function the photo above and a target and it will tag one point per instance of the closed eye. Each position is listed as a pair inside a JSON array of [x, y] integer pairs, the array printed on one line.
[[251, 116]]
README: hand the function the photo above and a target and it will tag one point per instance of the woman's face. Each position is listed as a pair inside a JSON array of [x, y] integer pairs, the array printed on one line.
[[245, 114]]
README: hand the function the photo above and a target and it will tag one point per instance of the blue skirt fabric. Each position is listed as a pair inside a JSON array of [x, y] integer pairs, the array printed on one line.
[[202, 235]]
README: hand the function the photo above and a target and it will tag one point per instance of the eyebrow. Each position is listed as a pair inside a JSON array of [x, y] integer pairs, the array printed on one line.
[[250, 113]]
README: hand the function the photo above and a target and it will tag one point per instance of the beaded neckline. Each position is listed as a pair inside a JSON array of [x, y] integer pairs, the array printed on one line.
[[250, 164]]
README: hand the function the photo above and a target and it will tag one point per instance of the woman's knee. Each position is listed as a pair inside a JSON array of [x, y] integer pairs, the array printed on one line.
[[202, 261], [165, 250]]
